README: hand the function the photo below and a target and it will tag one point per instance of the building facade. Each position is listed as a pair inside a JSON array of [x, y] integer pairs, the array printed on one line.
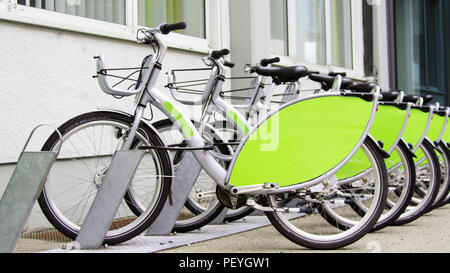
[[46, 63]]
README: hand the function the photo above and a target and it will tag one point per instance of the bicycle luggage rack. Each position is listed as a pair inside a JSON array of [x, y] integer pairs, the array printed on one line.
[[24, 187], [196, 87]]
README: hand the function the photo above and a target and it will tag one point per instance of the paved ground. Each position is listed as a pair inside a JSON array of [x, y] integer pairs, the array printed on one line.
[[428, 234], [33, 246]]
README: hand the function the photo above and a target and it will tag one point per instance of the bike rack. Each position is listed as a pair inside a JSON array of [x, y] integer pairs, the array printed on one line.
[[24, 187], [186, 173], [108, 199]]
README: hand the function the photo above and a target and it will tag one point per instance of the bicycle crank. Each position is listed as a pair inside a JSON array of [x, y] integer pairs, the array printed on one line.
[[230, 201]]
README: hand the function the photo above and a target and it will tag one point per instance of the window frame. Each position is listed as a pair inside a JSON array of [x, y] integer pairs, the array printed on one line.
[[11, 11], [357, 72]]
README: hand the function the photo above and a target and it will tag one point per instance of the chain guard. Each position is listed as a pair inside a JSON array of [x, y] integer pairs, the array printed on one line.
[[230, 201]]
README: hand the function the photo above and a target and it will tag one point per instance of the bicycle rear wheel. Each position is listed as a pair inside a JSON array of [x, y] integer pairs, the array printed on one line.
[[402, 179], [428, 177], [444, 188], [198, 211], [312, 230], [88, 144]]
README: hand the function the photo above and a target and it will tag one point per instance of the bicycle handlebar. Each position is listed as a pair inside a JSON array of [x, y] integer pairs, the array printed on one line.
[[217, 54], [334, 74], [267, 62], [167, 28], [228, 64]]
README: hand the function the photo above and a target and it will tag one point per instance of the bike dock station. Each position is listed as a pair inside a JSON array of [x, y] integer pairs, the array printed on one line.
[[108, 199], [23, 189], [186, 173]]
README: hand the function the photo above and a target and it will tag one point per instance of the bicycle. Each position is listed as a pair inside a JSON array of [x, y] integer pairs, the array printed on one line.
[[244, 180], [388, 127], [197, 203]]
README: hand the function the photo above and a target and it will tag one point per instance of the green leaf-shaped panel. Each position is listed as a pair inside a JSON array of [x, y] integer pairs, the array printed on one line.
[[301, 142]]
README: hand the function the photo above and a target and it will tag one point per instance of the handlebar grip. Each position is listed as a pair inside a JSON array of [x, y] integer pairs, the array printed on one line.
[[167, 28], [229, 64], [334, 74], [266, 62], [217, 54]]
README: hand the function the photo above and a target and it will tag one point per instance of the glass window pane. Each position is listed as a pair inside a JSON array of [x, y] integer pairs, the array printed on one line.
[[369, 65], [341, 32], [420, 47], [105, 10], [154, 12], [310, 31], [278, 30]]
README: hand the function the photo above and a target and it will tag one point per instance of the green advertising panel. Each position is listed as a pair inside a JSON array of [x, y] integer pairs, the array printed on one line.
[[302, 141]]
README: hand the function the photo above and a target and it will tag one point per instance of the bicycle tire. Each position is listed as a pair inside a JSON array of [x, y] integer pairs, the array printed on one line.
[[202, 217], [130, 229], [405, 194], [416, 212], [351, 235], [444, 188]]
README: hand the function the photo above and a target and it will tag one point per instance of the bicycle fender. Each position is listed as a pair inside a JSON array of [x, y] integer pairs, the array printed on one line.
[[389, 126]]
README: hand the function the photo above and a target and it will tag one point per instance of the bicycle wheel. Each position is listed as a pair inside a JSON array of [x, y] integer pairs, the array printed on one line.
[[312, 230], [402, 180], [228, 133], [447, 198], [428, 176], [198, 211], [88, 144], [444, 188]]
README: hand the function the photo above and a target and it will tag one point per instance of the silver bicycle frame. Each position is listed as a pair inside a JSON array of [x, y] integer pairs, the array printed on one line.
[[193, 137]]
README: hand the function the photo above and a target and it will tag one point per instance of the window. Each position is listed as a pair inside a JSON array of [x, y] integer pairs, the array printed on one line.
[[154, 12], [109, 11], [135, 13], [369, 64], [420, 47], [318, 31], [310, 31], [278, 29], [341, 33]]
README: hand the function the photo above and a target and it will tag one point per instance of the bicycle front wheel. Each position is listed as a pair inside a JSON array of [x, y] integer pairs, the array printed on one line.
[[88, 143]]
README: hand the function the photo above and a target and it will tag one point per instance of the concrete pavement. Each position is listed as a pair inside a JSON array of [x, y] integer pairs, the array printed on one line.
[[429, 234]]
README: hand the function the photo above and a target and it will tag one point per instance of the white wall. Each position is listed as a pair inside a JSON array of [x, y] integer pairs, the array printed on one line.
[[46, 77]]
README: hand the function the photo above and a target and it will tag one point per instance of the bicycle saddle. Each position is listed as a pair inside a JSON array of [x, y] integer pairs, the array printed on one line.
[[283, 74], [362, 87], [411, 98], [328, 81], [390, 96]]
